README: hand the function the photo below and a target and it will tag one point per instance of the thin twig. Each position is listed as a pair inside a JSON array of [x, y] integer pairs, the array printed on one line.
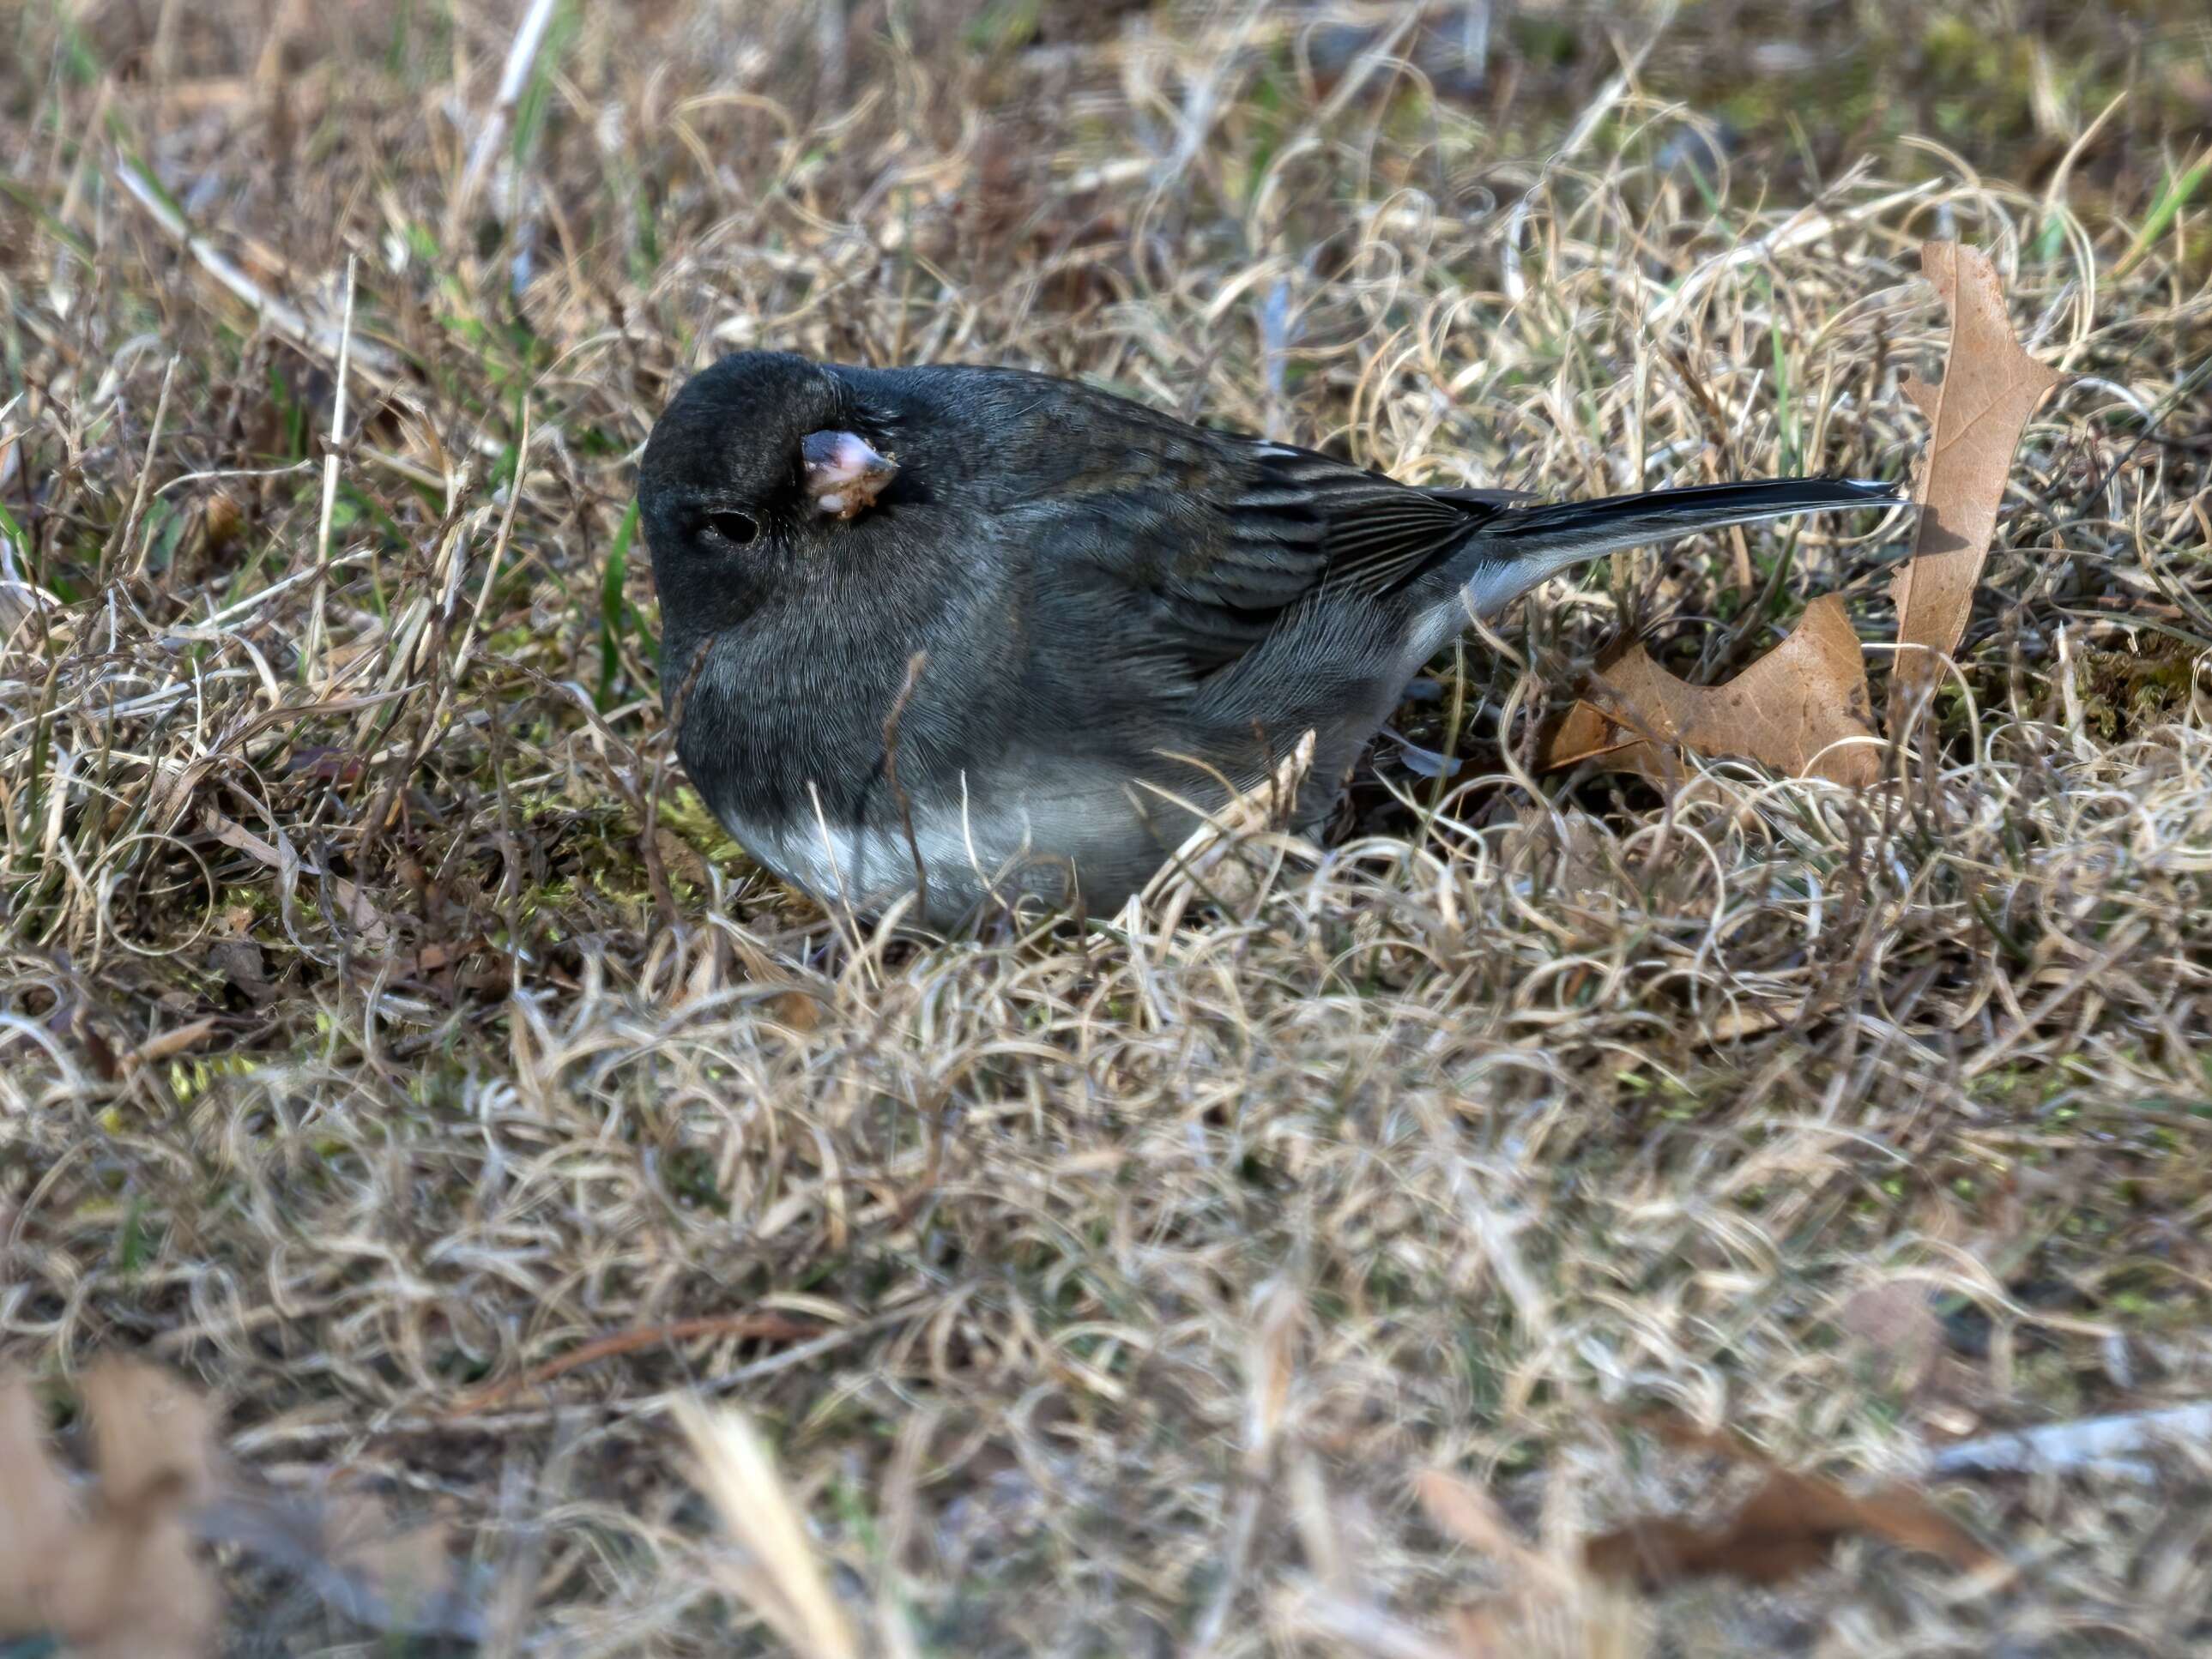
[[2119, 1444], [768, 1325], [130, 526], [311, 654], [520, 55], [318, 339]]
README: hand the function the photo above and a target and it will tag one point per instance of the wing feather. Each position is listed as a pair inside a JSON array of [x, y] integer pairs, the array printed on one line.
[[1288, 524]]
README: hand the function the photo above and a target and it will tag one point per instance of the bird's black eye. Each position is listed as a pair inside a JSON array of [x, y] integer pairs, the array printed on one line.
[[738, 529]]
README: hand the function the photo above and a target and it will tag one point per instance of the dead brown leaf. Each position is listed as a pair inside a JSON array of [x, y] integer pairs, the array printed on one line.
[[1753, 1019], [431, 958], [35, 1513], [150, 1436], [119, 1577], [797, 1009], [242, 965], [680, 857], [344, 1544], [1796, 709], [1788, 1525], [1990, 388], [169, 1044], [1894, 1323], [375, 926]]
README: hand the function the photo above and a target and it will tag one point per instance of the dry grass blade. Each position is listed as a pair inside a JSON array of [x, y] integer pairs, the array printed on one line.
[[521, 54], [1231, 857], [323, 338], [1464, 1510], [1348, 1626], [1555, 1607], [775, 1572], [127, 534], [314, 654]]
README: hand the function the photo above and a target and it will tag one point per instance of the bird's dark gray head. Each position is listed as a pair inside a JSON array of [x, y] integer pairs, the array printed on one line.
[[751, 477], [759, 447]]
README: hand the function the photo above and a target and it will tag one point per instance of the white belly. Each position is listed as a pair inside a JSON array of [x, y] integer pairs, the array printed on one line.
[[965, 853]]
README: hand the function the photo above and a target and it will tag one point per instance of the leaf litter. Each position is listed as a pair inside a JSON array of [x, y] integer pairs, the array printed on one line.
[[1803, 709], [118, 1576], [1790, 1525], [114, 1571], [1587, 1599]]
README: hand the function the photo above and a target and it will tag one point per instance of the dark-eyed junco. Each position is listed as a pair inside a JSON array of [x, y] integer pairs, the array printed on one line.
[[1124, 616]]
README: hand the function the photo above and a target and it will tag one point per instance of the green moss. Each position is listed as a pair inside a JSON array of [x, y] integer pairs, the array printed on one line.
[[682, 812], [2125, 692]]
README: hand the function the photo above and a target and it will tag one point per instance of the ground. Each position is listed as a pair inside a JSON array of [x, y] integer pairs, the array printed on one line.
[[390, 1044]]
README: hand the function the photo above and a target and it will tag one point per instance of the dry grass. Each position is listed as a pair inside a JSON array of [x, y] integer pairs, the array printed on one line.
[[382, 1025]]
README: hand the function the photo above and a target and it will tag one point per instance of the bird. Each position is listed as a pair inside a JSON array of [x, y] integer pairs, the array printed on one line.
[[939, 639]]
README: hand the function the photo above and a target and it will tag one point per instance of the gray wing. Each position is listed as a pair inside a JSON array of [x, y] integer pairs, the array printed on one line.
[[1272, 527]]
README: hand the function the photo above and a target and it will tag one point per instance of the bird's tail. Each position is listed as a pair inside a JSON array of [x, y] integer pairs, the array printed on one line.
[[1523, 546]]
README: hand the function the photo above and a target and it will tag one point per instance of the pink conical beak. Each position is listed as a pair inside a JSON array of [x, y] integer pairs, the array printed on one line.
[[844, 473]]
